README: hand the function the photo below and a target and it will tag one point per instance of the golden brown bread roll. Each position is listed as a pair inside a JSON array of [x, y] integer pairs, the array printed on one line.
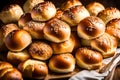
[[11, 13], [17, 40], [33, 68], [40, 50], [113, 27], [109, 14], [62, 63], [17, 57], [106, 44], [56, 31], [10, 74], [94, 8], [70, 3], [87, 58], [90, 28], [29, 4], [35, 29], [63, 47], [43, 11], [9, 28], [4, 65], [59, 14], [26, 17], [75, 14]]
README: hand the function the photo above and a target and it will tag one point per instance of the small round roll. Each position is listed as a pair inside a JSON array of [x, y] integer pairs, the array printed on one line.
[[70, 3], [35, 29], [56, 31], [62, 63], [106, 44], [94, 8], [87, 58], [26, 17], [40, 50], [9, 28], [29, 4], [4, 65], [43, 11], [113, 27], [74, 15], [90, 28], [109, 14], [10, 74], [17, 40], [11, 13], [33, 69], [63, 47], [17, 57]]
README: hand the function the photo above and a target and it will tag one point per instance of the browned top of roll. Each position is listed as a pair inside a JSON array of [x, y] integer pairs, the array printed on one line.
[[57, 31], [88, 56], [62, 61], [91, 27]]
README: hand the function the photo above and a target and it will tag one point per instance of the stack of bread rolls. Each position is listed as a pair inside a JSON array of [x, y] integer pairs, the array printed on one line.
[[40, 37]]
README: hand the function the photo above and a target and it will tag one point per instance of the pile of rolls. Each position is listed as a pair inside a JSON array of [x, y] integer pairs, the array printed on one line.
[[40, 37]]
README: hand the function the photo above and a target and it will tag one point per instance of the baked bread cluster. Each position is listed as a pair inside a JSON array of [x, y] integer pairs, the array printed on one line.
[[40, 37]]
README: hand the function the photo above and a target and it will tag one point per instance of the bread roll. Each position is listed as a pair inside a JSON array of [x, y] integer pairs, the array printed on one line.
[[109, 14], [9, 28], [70, 3], [63, 47], [62, 63], [56, 31], [106, 44], [17, 40], [26, 17], [4, 65], [113, 27], [11, 13], [90, 28], [94, 8], [43, 11], [17, 57], [10, 74], [29, 4], [87, 58], [35, 29], [75, 14], [33, 69], [40, 50], [59, 14]]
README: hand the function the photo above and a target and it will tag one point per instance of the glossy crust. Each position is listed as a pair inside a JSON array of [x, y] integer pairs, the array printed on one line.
[[17, 57], [43, 11], [87, 58], [11, 13], [9, 28], [29, 4], [4, 65], [35, 29], [40, 50], [113, 27], [64, 47], [10, 74], [57, 31], [26, 17], [109, 14], [90, 28], [70, 3], [94, 8], [17, 40], [62, 63], [33, 68], [106, 44], [74, 15]]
